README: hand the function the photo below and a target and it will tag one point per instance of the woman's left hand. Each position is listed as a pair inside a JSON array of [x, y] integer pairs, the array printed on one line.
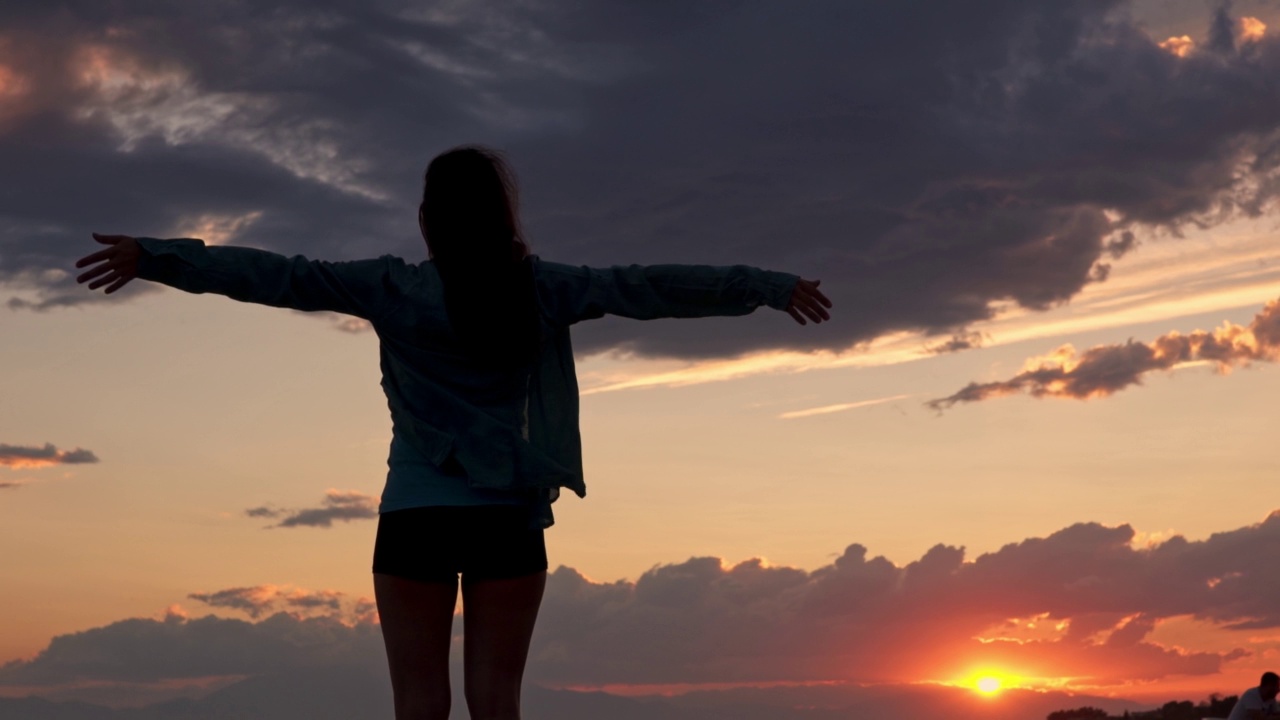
[[119, 263]]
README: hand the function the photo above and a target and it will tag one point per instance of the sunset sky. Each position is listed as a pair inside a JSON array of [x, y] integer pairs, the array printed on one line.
[[1036, 442]]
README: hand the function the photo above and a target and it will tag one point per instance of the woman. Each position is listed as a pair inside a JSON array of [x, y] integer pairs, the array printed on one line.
[[479, 377]]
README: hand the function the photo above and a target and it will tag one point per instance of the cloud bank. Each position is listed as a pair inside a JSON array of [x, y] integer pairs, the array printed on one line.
[[999, 152], [1107, 369], [1080, 604]]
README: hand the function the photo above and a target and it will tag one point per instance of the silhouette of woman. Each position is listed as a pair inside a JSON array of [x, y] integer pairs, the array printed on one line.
[[478, 372]]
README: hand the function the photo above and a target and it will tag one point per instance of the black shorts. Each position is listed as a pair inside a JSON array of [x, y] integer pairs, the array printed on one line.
[[435, 544]]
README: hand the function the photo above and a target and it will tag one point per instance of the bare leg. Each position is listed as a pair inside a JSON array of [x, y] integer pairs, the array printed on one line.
[[417, 621], [498, 618]]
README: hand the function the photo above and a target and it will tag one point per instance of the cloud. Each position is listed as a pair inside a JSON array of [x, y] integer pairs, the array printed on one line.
[[997, 154], [344, 505], [867, 619], [1252, 29], [1107, 369], [143, 650], [27, 456], [260, 600], [958, 342], [1181, 45], [1083, 605], [840, 407]]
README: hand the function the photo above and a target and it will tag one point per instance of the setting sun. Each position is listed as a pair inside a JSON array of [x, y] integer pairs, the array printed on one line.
[[988, 685]]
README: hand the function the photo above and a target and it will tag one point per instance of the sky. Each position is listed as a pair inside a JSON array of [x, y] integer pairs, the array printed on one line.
[[1032, 443]]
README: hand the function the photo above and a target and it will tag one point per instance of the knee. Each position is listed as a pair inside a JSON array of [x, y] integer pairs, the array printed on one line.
[[422, 705]]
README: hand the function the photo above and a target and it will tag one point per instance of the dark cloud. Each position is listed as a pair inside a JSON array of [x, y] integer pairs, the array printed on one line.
[[960, 341], [875, 621], [1107, 369], [344, 505], [141, 649], [924, 170], [1096, 594], [260, 600], [19, 456], [1120, 246], [1222, 30], [254, 601]]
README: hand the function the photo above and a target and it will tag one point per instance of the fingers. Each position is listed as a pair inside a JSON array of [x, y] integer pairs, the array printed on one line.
[[114, 281], [799, 309], [818, 293], [813, 309], [812, 312], [114, 276], [95, 257], [109, 271], [808, 301], [124, 280], [95, 272]]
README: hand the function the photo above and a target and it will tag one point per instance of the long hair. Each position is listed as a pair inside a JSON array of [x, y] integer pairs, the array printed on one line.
[[469, 218]]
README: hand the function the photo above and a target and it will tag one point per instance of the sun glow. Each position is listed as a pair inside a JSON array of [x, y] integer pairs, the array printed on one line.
[[988, 682], [988, 685]]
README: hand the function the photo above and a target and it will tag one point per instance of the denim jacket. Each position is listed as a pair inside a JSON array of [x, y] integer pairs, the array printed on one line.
[[511, 430]]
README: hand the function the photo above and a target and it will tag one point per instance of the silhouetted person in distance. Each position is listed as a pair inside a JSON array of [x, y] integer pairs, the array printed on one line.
[[478, 372], [1258, 702]]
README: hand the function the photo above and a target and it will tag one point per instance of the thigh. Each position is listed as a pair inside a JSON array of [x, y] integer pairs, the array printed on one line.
[[417, 625], [498, 619]]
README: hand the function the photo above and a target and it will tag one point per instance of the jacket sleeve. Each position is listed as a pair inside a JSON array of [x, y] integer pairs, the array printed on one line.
[[364, 288], [574, 293]]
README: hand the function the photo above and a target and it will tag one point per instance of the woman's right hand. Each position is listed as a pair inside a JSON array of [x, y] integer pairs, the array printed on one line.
[[808, 301], [118, 263]]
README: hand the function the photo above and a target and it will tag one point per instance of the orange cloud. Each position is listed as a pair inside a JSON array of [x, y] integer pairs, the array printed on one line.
[[1180, 46], [1106, 369], [1252, 29]]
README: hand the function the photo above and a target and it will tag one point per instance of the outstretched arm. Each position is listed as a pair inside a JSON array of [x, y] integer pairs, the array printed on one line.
[[644, 292], [363, 288]]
